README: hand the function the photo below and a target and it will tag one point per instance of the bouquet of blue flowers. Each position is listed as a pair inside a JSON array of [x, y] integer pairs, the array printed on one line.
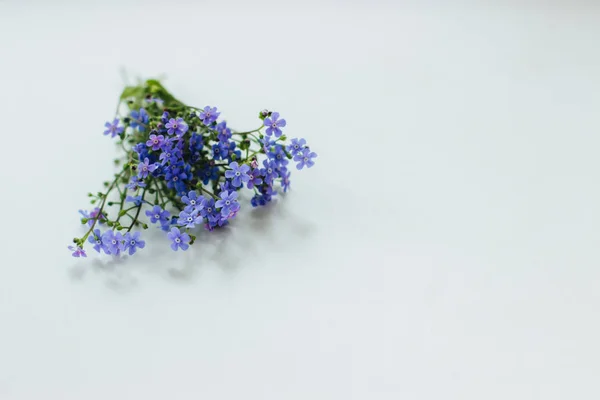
[[184, 167]]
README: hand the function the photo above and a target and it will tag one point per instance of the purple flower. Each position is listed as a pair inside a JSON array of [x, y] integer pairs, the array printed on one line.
[[155, 142], [285, 182], [113, 242], [139, 119], [96, 240], [77, 251], [189, 220], [223, 132], [92, 216], [305, 158], [296, 146], [176, 127], [135, 183], [169, 154], [270, 171], [157, 214], [237, 174], [137, 200], [132, 241], [180, 240], [228, 203], [144, 168], [209, 115], [273, 124], [193, 201], [113, 128], [254, 178]]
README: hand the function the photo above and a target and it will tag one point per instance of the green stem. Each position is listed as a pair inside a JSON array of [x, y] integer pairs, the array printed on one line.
[[104, 197], [139, 209]]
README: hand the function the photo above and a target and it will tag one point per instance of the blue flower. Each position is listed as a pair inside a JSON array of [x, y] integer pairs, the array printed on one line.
[[196, 142], [208, 208], [139, 119], [113, 242], [208, 174], [131, 242], [181, 188], [305, 157], [96, 240], [277, 154], [176, 127], [228, 203], [238, 174], [231, 151], [258, 200], [157, 214], [296, 146], [209, 115], [285, 182], [273, 124], [189, 220], [113, 128], [192, 200], [223, 132], [180, 240], [174, 175], [144, 168], [137, 200], [135, 183], [254, 178], [270, 171], [93, 216], [169, 154], [220, 150]]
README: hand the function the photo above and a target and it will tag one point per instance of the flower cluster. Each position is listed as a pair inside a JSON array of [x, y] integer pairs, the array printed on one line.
[[185, 168]]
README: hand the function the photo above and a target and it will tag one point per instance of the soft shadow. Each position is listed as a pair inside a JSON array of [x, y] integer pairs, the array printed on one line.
[[250, 236]]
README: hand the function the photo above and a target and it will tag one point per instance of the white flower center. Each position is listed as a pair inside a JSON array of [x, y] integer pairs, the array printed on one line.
[[227, 202], [114, 241], [177, 240], [193, 202], [132, 243], [237, 173]]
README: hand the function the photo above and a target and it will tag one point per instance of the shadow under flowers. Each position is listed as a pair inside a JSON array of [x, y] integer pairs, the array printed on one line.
[[248, 239]]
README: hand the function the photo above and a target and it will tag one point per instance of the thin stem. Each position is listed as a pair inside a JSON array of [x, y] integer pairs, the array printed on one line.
[[138, 211], [104, 197]]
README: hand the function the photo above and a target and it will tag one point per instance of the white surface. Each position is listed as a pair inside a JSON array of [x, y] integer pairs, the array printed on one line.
[[443, 247]]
